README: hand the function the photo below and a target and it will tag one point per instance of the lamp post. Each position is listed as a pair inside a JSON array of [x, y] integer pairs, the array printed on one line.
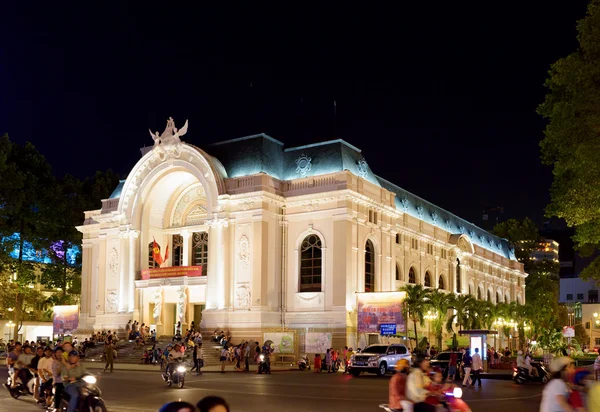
[[430, 317], [10, 326]]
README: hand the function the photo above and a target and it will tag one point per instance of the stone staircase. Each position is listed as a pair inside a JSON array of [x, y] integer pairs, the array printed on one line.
[[129, 354]]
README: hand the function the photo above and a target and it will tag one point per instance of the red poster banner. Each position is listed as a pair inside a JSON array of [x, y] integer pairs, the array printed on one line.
[[171, 272]]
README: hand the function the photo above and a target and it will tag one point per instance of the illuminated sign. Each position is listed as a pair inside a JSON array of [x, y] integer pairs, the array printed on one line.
[[380, 308], [65, 319], [171, 272], [387, 328]]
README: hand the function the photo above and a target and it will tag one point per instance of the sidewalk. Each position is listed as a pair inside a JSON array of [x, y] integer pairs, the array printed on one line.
[[155, 368]]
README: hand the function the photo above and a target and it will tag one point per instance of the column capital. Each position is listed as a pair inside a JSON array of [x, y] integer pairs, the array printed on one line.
[[129, 233]]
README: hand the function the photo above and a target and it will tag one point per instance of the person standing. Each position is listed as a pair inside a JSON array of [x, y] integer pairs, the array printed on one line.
[[200, 358], [466, 361], [195, 358], [476, 367], [452, 363], [223, 358], [109, 350], [247, 358], [57, 367]]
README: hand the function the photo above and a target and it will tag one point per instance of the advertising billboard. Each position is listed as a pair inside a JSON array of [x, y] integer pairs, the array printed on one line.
[[315, 342], [65, 319], [283, 341], [171, 272], [380, 308]]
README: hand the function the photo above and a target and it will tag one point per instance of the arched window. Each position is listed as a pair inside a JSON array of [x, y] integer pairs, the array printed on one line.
[[310, 264], [441, 283], [458, 286], [489, 296], [427, 279], [200, 251], [498, 297], [479, 293], [177, 259], [412, 278], [369, 267], [398, 277], [507, 298]]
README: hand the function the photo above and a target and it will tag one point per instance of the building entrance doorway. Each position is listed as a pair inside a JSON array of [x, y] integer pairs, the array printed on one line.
[[197, 317]]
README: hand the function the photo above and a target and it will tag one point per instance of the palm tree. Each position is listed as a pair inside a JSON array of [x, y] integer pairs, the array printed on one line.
[[519, 314], [462, 305], [439, 303], [415, 304]]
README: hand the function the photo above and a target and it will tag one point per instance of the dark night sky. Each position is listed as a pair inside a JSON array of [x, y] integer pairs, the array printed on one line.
[[440, 99]]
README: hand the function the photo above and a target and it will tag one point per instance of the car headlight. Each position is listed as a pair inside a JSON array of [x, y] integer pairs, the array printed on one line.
[[181, 369], [372, 358], [262, 357], [89, 379]]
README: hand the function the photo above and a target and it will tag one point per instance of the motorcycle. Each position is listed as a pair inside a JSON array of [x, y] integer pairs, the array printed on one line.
[[303, 363], [20, 389], [264, 366], [521, 375], [450, 401], [176, 375], [89, 400]]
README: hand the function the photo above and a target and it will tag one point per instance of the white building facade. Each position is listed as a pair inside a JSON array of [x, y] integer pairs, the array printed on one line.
[[261, 236]]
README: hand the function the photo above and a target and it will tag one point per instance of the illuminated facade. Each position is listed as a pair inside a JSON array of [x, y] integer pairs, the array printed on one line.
[[284, 236]]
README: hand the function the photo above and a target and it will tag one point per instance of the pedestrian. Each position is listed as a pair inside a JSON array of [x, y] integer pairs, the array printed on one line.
[[247, 357], [223, 358], [317, 363], [466, 361], [452, 363], [556, 392], [212, 404], [109, 350], [477, 368], [195, 359]]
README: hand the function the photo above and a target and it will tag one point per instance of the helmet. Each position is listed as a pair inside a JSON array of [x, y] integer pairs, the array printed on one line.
[[558, 364], [579, 375], [402, 364]]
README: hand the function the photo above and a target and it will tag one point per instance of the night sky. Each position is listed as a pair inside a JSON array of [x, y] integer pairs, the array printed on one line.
[[441, 99]]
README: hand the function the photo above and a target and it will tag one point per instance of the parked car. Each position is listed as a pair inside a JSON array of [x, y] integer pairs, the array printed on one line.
[[442, 359], [378, 359]]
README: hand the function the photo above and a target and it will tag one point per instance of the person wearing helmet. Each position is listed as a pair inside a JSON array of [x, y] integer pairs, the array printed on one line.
[[581, 380], [398, 386], [556, 393], [72, 375], [520, 360]]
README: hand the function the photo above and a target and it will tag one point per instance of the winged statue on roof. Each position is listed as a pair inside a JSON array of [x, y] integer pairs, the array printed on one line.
[[167, 143]]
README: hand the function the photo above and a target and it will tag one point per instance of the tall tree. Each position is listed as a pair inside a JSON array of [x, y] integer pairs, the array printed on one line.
[[439, 303], [572, 135], [415, 304], [462, 306], [26, 192]]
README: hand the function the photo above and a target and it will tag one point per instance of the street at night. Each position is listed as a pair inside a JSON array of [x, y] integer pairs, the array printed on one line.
[[296, 391]]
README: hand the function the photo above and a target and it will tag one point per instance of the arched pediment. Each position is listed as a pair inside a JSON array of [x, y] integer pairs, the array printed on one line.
[[462, 242]]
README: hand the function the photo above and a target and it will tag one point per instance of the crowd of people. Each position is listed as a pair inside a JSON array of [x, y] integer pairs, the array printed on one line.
[[207, 404]]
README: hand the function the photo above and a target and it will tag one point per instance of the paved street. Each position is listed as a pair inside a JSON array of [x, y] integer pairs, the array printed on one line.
[[125, 391]]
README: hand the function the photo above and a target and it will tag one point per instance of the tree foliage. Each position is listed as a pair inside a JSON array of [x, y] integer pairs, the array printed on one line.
[[572, 137]]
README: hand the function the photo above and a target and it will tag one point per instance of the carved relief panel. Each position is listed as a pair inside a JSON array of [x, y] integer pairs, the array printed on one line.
[[243, 253]]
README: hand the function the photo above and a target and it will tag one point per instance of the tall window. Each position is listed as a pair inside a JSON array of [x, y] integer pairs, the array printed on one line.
[[369, 267], [441, 283], [498, 297], [458, 286], [412, 278], [398, 238], [177, 251], [200, 251], [310, 264], [427, 280], [489, 296], [398, 277], [151, 262], [479, 293]]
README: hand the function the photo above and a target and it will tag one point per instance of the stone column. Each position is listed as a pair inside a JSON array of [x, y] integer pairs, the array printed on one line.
[[94, 281], [123, 266], [185, 234], [133, 235], [215, 282]]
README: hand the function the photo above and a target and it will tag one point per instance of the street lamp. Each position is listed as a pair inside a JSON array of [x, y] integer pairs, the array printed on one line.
[[10, 325], [430, 316]]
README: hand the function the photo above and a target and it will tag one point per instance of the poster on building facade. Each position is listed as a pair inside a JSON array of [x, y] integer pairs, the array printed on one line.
[[65, 319], [315, 342], [380, 308], [283, 341]]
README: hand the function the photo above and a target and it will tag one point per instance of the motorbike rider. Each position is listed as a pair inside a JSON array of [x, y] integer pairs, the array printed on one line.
[[520, 360], [11, 362], [397, 394], [532, 371], [57, 380], [416, 386], [174, 356], [23, 363], [45, 373], [72, 375]]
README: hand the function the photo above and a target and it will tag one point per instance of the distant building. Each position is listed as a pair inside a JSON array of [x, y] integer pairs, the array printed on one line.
[[547, 250], [578, 290]]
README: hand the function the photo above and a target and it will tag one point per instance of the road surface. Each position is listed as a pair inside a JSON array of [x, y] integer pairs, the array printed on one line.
[[126, 391]]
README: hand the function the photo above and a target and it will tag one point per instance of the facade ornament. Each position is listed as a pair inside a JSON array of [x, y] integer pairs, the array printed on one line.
[[448, 225], [181, 303], [405, 203], [434, 217], [111, 301], [310, 206], [482, 239], [303, 164], [247, 205], [167, 144], [157, 299], [420, 212], [472, 234], [244, 255], [462, 230], [242, 297], [113, 262], [363, 168]]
